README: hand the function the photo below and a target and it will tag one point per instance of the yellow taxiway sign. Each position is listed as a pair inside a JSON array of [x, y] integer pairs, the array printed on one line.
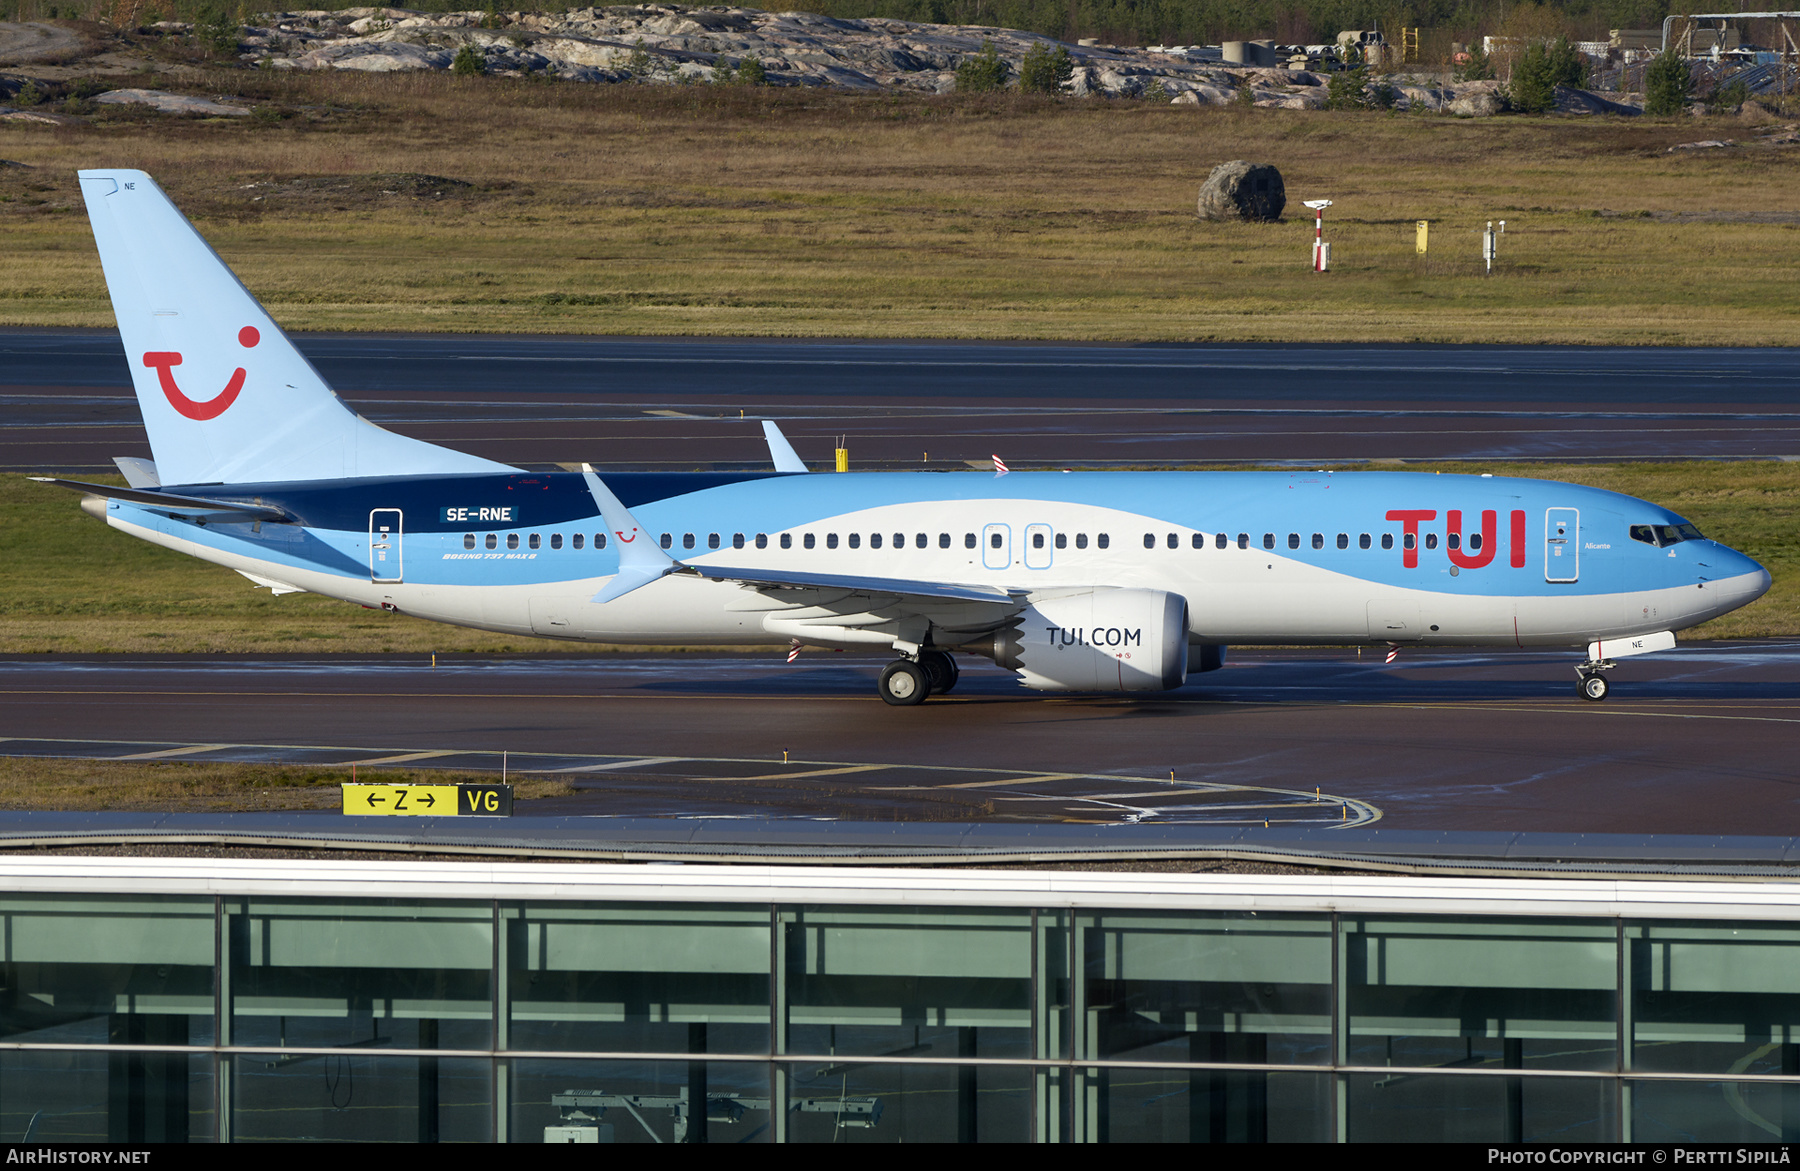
[[428, 800]]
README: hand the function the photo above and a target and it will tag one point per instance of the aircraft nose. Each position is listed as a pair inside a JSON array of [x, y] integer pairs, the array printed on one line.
[[1742, 580]]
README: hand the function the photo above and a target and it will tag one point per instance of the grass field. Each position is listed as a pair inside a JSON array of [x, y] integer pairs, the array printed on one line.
[[428, 202], [69, 586]]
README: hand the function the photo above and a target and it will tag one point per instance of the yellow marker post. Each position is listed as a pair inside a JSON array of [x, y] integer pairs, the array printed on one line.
[[428, 800], [843, 459], [1424, 234]]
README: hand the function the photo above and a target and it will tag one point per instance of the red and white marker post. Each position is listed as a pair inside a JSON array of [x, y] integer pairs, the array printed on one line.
[[1321, 251]]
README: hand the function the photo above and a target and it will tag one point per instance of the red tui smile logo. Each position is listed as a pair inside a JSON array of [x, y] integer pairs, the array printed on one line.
[[164, 363]]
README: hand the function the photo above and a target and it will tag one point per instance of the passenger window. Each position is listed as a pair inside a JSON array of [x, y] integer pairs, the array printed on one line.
[[856, 540], [1293, 541], [944, 541], [1102, 540], [1431, 540], [1081, 540], [1474, 542], [1243, 540], [922, 540], [874, 540], [1037, 540], [1362, 542], [994, 540], [807, 540], [492, 541], [712, 540], [1199, 540], [468, 540], [556, 540], [687, 540], [512, 540], [831, 540], [1344, 540], [1269, 540], [762, 540], [1318, 540], [1223, 541], [535, 541], [1387, 540], [1452, 541], [1062, 540], [576, 541], [737, 540], [668, 540], [1174, 541], [1412, 541], [787, 540], [1149, 540], [968, 540], [599, 540]]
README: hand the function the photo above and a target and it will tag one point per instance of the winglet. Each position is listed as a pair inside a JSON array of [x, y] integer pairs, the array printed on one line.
[[780, 450], [640, 561]]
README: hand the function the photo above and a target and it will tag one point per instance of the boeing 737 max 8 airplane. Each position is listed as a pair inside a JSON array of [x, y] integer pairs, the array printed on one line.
[[1107, 581]]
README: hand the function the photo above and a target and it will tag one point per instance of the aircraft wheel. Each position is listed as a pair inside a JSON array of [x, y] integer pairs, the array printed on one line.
[[903, 684], [1593, 687], [940, 670]]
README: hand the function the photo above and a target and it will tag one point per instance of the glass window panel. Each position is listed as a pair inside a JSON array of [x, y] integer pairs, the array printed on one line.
[[1714, 1112], [360, 1096], [1407, 1108], [381, 972], [927, 982], [871, 1103], [92, 970], [1495, 993], [1205, 987], [50, 1096], [1715, 997], [638, 1101], [1207, 1106], [638, 977]]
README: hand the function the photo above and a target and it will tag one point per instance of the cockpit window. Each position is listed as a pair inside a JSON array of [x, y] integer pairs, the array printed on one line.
[[1664, 535]]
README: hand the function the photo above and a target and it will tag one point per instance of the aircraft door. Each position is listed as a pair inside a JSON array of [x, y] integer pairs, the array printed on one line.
[[1562, 544], [996, 546], [384, 545], [1038, 547]]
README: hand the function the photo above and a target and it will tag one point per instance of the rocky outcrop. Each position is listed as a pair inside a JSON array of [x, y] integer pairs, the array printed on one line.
[[1243, 191], [669, 44], [169, 103]]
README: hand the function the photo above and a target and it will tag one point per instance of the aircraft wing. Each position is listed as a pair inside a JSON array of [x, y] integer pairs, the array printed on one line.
[[867, 585], [170, 502]]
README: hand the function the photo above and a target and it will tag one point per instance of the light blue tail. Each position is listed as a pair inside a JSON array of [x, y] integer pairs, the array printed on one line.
[[226, 397]]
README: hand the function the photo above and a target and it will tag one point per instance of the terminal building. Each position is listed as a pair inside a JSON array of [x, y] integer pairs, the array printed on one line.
[[199, 1000]]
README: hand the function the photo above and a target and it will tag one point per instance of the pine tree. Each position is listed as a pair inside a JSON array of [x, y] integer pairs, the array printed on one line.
[[1667, 85]]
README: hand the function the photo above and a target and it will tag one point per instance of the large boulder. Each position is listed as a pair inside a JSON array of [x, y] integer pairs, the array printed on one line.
[[1243, 191]]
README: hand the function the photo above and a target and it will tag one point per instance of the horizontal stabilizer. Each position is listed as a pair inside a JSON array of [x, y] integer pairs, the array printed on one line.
[[139, 473], [170, 502]]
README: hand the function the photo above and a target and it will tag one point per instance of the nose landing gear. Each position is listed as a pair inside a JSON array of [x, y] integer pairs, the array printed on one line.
[[1590, 683]]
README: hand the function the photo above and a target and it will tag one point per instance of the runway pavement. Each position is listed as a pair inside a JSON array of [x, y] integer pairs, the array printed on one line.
[[1701, 740], [652, 403]]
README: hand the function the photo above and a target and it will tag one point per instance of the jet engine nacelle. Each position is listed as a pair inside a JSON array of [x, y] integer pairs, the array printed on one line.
[[1102, 640]]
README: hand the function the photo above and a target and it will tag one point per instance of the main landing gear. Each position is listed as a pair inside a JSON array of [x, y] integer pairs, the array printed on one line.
[[905, 683], [1590, 683]]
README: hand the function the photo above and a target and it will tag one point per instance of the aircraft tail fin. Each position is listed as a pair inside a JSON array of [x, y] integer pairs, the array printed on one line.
[[226, 397]]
